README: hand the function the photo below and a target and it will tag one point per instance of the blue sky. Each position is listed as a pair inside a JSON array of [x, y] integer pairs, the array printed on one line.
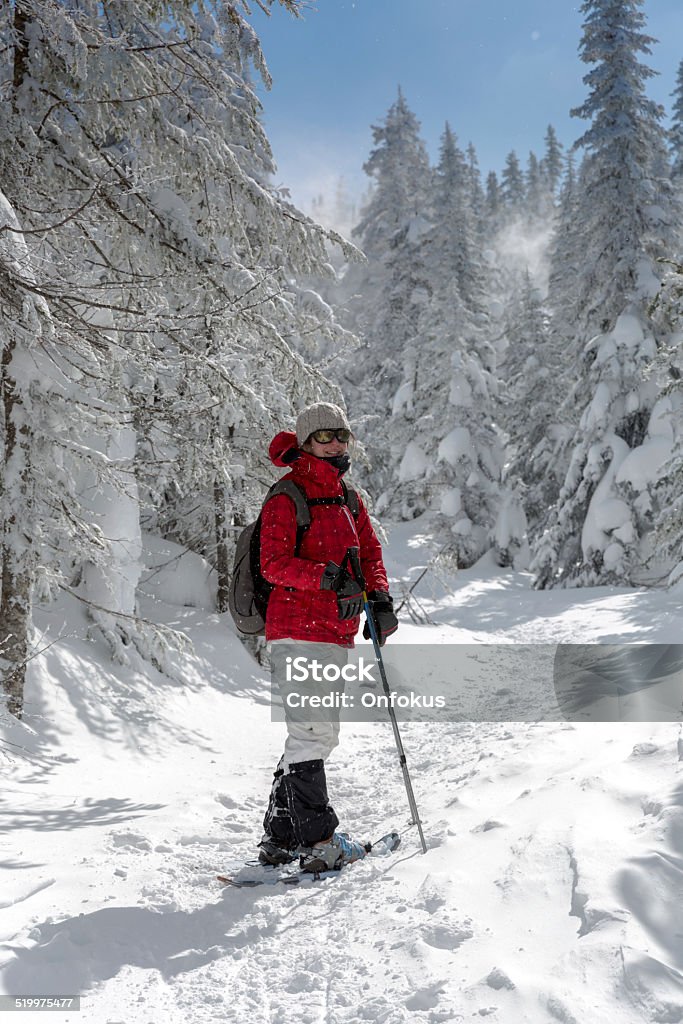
[[499, 70]]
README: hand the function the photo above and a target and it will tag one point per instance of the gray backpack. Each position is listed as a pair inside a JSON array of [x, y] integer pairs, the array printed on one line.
[[249, 589]]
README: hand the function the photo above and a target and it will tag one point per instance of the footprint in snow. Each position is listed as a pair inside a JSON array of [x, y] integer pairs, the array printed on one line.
[[425, 998], [488, 825], [433, 893], [446, 936], [131, 841], [644, 749], [227, 801], [498, 979]]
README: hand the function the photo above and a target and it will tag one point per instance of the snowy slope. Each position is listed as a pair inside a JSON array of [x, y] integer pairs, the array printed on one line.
[[551, 890]]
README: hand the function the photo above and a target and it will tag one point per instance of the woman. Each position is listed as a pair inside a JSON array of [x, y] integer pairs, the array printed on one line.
[[314, 612]]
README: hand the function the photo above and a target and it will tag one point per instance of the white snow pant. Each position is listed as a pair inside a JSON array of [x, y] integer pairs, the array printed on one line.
[[299, 812], [311, 733]]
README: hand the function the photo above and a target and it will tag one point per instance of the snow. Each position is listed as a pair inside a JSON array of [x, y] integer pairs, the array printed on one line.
[[177, 575], [642, 467], [403, 398], [551, 885], [457, 444], [460, 393], [660, 424], [451, 501], [413, 464], [628, 330]]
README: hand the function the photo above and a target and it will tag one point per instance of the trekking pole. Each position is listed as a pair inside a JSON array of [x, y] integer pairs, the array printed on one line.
[[354, 561]]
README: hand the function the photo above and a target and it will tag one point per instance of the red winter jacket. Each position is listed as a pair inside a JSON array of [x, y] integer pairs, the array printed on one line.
[[306, 612]]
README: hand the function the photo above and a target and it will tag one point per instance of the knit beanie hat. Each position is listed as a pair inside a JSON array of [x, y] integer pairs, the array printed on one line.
[[320, 416]]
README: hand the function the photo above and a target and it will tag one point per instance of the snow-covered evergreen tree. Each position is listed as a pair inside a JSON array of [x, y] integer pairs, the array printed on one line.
[[477, 198], [552, 163], [451, 244], [494, 201], [167, 261], [512, 187], [399, 167], [535, 191], [605, 507], [393, 285], [24, 331], [624, 218], [625, 207], [449, 454], [667, 315], [446, 453], [676, 130], [530, 401]]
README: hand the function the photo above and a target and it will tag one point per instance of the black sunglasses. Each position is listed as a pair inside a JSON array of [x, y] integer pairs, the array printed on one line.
[[325, 436]]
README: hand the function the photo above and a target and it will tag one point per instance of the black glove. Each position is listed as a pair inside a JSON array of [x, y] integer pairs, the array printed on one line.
[[386, 623], [347, 589]]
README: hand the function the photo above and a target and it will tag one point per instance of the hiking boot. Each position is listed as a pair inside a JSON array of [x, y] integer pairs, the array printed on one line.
[[333, 854], [270, 852]]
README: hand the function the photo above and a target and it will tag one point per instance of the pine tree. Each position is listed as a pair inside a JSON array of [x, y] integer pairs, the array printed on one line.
[[450, 245], [155, 242], [623, 221], [551, 165], [24, 324], [399, 167], [513, 184], [625, 210], [494, 201], [394, 284], [477, 199], [676, 130], [566, 256], [530, 405], [667, 315], [446, 453], [534, 188]]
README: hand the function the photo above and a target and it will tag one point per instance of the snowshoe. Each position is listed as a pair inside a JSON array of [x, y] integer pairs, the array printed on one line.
[[270, 852], [334, 854]]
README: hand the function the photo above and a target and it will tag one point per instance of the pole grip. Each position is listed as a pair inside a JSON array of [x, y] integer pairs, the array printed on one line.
[[353, 555]]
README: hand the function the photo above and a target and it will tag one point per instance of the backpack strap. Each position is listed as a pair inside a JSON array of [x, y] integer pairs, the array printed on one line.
[[302, 504], [348, 498], [298, 496], [338, 500], [351, 499]]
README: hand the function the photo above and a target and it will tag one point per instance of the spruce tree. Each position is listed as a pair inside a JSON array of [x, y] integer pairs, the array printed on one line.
[[530, 401], [512, 188], [676, 130], [625, 207], [450, 245], [667, 540], [446, 453], [477, 199], [399, 168], [566, 255], [551, 165], [534, 189], [624, 217], [165, 269], [391, 288], [494, 201]]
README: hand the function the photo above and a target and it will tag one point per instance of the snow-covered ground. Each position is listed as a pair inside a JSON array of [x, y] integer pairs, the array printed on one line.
[[551, 890]]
